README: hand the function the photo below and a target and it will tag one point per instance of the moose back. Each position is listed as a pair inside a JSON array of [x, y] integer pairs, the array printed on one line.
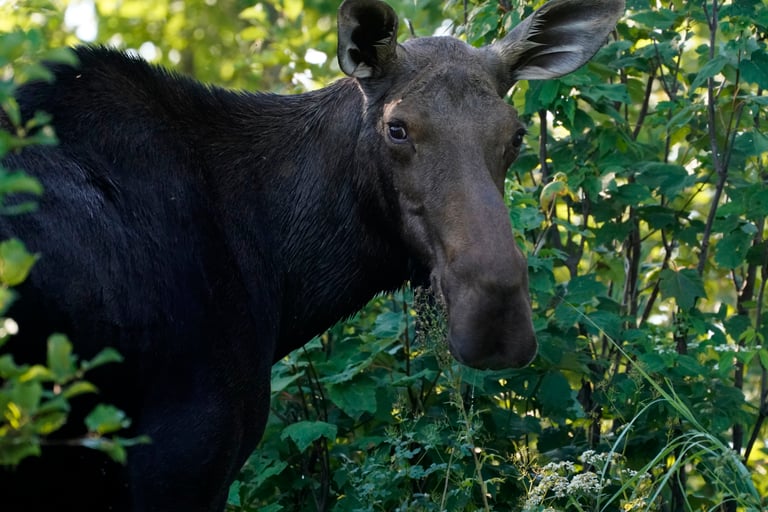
[[205, 233]]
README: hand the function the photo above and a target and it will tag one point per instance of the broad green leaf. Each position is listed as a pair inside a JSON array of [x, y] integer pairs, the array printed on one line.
[[36, 372], [654, 362], [279, 384], [105, 419], [610, 92], [389, 324], [669, 179], [107, 355], [354, 397], [732, 249], [26, 395], [50, 422], [7, 296], [657, 18], [708, 70], [631, 194], [584, 289], [12, 454], [658, 217], [18, 183], [79, 387], [58, 403], [763, 355], [15, 262], [555, 395], [755, 70], [113, 448], [525, 218], [541, 95], [685, 286], [60, 359], [304, 433], [9, 368], [567, 315]]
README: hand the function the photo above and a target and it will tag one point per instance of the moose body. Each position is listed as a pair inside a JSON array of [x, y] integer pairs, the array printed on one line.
[[204, 233]]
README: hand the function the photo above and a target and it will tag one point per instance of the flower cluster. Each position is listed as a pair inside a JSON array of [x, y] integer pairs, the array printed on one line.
[[568, 485]]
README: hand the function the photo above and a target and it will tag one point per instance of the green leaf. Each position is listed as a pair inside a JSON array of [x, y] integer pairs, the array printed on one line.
[[654, 362], [279, 383], [8, 367], [763, 355], [610, 92], [58, 403], [732, 250], [18, 183], [355, 396], [389, 324], [105, 419], [541, 94], [36, 372], [657, 18], [7, 296], [50, 422], [669, 179], [106, 356], [685, 286], [15, 262], [554, 394], [112, 448], [60, 359], [78, 388], [26, 395], [584, 289], [658, 217], [708, 70], [755, 70], [304, 433], [12, 454]]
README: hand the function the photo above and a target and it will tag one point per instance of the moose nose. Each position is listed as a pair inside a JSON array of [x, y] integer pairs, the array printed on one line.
[[489, 318], [488, 333], [505, 355]]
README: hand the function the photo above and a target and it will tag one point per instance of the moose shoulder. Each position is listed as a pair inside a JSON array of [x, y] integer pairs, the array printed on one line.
[[205, 233]]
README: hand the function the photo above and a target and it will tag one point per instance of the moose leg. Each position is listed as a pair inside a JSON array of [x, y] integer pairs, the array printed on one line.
[[200, 441]]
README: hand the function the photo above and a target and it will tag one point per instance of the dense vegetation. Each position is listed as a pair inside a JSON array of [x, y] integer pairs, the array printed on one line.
[[641, 202]]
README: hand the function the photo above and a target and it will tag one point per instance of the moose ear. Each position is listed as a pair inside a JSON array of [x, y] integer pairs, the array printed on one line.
[[367, 37], [558, 38]]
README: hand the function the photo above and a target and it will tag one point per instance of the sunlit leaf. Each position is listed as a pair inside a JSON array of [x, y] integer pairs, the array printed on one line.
[[15, 262], [105, 419]]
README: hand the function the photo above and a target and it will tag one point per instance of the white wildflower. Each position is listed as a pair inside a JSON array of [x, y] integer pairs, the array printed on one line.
[[585, 483]]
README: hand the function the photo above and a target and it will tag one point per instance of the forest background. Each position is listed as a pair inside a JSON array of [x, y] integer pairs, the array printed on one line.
[[640, 199]]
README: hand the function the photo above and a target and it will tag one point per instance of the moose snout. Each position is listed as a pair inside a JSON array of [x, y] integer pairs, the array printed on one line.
[[489, 321]]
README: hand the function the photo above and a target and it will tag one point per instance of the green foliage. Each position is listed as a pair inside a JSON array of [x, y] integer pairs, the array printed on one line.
[[643, 214], [35, 398], [641, 203]]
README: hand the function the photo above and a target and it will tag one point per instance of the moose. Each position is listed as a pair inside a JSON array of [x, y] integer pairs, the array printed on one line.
[[204, 233]]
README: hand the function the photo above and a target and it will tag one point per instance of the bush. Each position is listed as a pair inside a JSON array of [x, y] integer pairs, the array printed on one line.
[[641, 205], [35, 399]]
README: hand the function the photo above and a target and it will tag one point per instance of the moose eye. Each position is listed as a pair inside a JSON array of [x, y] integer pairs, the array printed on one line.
[[517, 139], [397, 132]]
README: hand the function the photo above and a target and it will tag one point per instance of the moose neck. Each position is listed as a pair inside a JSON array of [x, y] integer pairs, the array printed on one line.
[[303, 186]]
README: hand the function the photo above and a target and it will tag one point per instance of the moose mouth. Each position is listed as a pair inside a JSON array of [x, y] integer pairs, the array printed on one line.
[[486, 324], [489, 322]]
